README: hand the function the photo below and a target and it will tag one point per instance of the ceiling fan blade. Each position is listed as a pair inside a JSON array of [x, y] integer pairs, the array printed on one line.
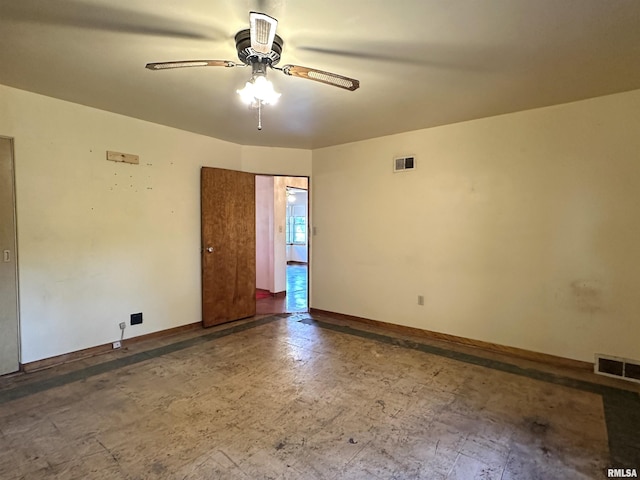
[[191, 63], [263, 31], [321, 76]]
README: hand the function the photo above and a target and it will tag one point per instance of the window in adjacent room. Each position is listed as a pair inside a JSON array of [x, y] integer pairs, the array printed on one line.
[[296, 219]]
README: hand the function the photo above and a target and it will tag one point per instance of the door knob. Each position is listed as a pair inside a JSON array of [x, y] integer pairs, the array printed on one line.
[[210, 249]]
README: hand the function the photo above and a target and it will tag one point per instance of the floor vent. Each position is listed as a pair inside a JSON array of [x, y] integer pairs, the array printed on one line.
[[402, 164], [617, 367]]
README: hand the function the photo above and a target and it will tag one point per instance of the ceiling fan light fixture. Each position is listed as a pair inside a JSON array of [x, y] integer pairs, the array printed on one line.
[[260, 48], [258, 90]]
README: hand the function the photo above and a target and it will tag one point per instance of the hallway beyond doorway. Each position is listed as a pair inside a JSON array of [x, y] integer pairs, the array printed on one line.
[[296, 299]]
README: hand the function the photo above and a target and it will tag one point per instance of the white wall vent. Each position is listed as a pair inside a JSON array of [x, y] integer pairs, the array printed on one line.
[[402, 164], [617, 367]]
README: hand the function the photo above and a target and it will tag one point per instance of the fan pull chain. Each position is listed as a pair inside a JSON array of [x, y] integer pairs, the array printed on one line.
[[259, 114]]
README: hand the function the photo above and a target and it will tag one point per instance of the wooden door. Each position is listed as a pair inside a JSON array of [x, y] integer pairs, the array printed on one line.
[[9, 351], [228, 226]]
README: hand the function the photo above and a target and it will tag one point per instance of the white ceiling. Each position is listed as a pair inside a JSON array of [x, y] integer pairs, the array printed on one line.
[[421, 63]]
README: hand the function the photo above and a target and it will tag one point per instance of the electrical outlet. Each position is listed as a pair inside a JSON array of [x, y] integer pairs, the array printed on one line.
[[420, 299], [136, 318], [117, 344]]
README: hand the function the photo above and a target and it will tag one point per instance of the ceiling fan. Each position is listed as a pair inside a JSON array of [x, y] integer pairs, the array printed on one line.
[[260, 48]]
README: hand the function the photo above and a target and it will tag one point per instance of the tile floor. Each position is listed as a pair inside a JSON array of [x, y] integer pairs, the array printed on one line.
[[296, 299], [311, 398]]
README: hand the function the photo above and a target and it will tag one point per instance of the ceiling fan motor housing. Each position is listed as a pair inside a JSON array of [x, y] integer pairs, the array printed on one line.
[[248, 55]]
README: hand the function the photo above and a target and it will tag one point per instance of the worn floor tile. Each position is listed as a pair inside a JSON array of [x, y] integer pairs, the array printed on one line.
[[286, 399]]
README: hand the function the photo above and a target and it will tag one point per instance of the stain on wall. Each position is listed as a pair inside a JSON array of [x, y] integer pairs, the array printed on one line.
[[587, 295]]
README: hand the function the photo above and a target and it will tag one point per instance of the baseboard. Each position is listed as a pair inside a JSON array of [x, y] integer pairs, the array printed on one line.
[[101, 349], [274, 295], [491, 347]]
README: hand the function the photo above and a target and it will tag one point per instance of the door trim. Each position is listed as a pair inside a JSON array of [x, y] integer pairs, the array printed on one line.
[[309, 234], [14, 250]]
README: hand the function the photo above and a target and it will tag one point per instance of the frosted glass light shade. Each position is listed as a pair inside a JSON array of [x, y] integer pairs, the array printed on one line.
[[259, 89]]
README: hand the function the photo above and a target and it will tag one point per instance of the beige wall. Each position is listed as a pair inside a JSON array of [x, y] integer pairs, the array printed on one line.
[[100, 240], [264, 232], [279, 234], [520, 229], [276, 161]]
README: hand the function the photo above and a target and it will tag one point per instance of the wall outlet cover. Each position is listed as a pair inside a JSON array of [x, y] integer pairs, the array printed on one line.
[[117, 344]]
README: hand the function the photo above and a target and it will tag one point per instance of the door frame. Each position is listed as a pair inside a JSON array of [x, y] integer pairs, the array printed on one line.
[[309, 230], [14, 251]]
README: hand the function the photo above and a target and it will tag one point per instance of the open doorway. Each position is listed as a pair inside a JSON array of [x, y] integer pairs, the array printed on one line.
[[282, 244]]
